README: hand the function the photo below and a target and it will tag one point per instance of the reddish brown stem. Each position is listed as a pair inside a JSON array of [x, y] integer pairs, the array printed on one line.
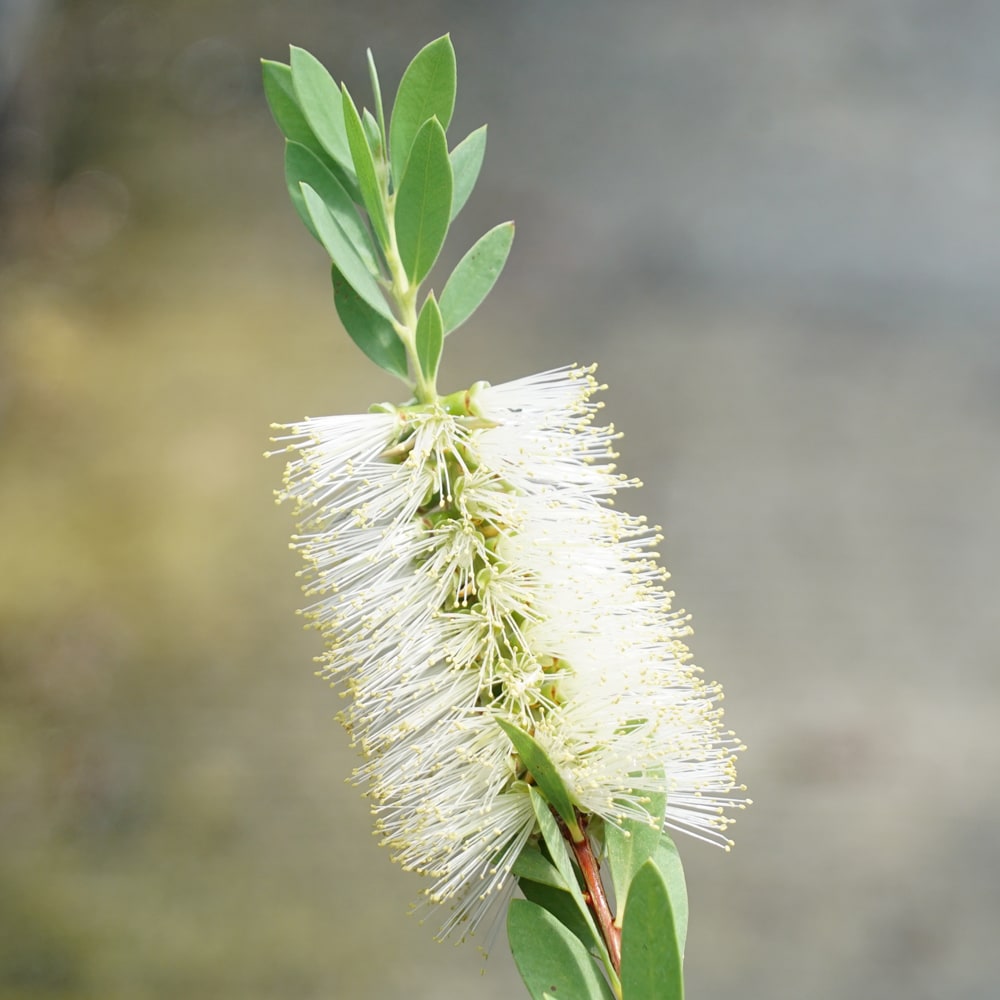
[[597, 898]]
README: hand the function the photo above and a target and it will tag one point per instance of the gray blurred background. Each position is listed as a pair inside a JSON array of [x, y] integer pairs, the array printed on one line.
[[774, 225]]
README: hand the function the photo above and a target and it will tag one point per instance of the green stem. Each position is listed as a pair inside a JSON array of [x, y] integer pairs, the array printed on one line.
[[405, 296]]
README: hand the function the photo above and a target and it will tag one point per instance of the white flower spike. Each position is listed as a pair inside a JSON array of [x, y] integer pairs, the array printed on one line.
[[465, 565]]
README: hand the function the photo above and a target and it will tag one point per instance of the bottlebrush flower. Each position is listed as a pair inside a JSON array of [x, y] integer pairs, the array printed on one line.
[[465, 565]]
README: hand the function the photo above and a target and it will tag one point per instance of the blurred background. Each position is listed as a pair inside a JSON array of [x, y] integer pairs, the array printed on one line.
[[774, 226]]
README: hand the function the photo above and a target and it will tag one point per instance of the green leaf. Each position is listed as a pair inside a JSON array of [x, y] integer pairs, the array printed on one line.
[[560, 904], [554, 840], [423, 202], [343, 253], [532, 864], [560, 855], [284, 104], [371, 331], [466, 162], [429, 339], [475, 275], [364, 167], [668, 862], [631, 845], [288, 115], [545, 773], [377, 93], [651, 959], [372, 133], [302, 166], [319, 98], [427, 90], [550, 958]]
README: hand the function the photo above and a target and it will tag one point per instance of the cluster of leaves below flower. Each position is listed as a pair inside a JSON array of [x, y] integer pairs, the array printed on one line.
[[555, 941]]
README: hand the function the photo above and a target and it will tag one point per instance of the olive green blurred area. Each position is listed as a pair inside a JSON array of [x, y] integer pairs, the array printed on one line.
[[774, 227]]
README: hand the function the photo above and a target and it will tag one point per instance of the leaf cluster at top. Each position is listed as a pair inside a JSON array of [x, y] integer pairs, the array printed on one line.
[[381, 200]]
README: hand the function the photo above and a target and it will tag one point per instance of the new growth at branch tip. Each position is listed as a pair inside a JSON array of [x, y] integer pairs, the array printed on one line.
[[381, 198]]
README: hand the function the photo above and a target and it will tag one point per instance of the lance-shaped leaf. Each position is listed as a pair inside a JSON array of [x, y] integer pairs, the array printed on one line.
[[429, 339], [543, 883], [631, 845], [423, 202], [370, 330], [531, 864], [474, 276], [668, 861], [466, 162], [550, 958], [545, 774], [561, 905], [372, 133], [651, 958], [284, 104], [303, 167], [427, 90], [289, 118], [319, 98], [343, 253], [377, 94], [555, 843], [364, 167]]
